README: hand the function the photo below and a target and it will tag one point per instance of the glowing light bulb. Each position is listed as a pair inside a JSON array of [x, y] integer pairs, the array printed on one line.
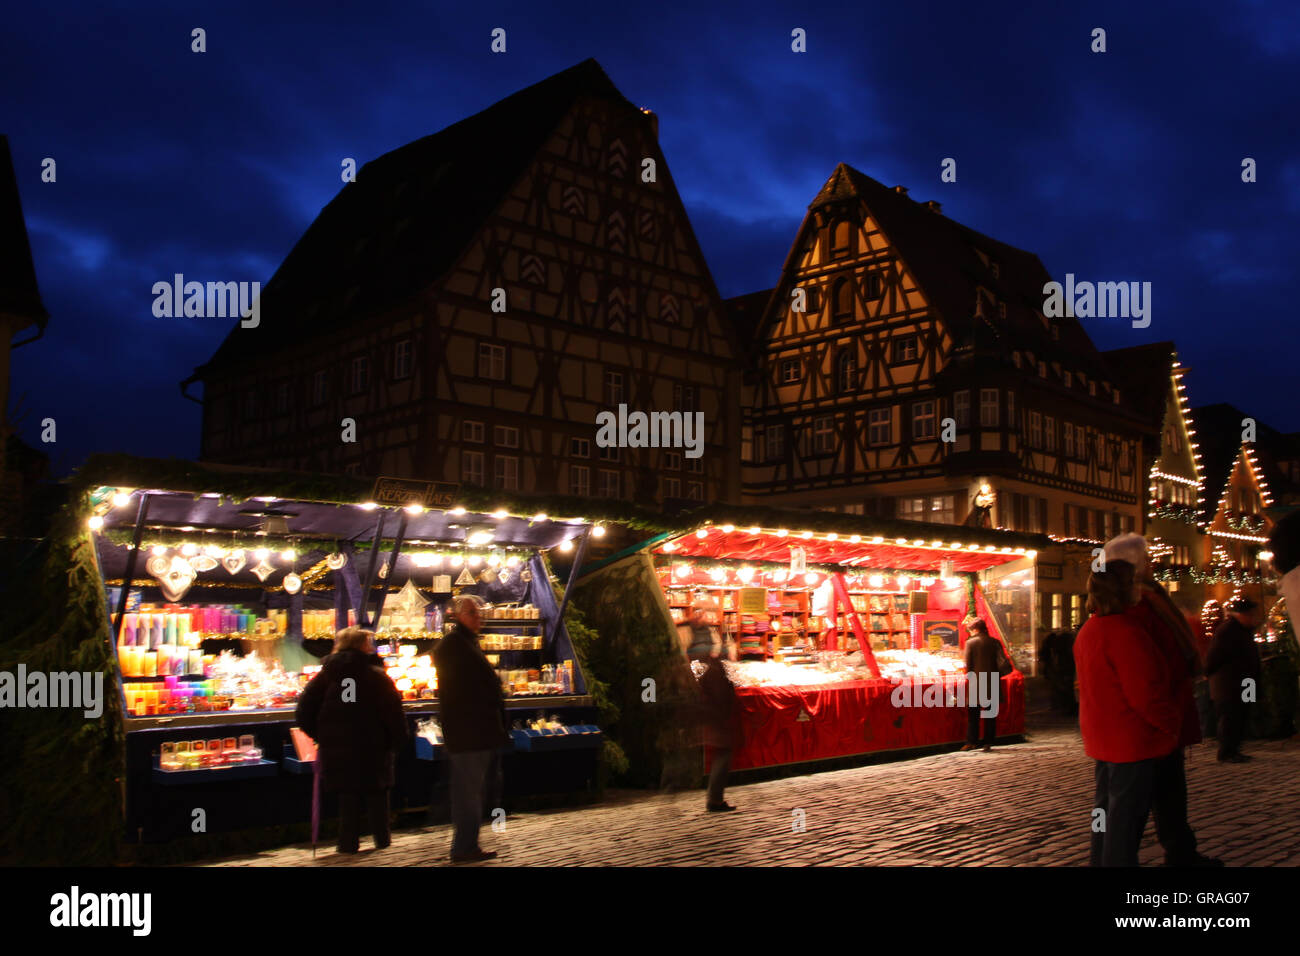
[[121, 500], [414, 509], [682, 570], [288, 554], [541, 516], [158, 550], [261, 554], [811, 577], [566, 545], [782, 532], [745, 574], [598, 531], [368, 506], [512, 561], [500, 513], [669, 547], [189, 550], [876, 580], [494, 560], [702, 533], [95, 523], [728, 528]]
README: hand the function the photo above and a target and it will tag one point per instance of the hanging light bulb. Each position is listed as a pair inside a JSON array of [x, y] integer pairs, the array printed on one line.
[[682, 570], [598, 531], [728, 528], [288, 554], [541, 516], [494, 560], [566, 545], [158, 550], [718, 575], [457, 560], [189, 550], [512, 561], [779, 575], [121, 499], [500, 513], [669, 547], [702, 533], [746, 574], [368, 506], [95, 522], [475, 560], [812, 577], [782, 532], [414, 509], [261, 554], [876, 580], [215, 552]]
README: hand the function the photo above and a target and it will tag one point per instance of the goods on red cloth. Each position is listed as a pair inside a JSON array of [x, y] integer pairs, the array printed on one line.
[[794, 724]]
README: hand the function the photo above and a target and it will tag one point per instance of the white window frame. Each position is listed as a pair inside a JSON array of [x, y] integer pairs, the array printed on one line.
[[922, 412], [989, 407], [492, 361]]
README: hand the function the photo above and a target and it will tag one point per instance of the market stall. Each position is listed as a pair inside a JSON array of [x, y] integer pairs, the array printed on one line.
[[848, 632], [222, 604]]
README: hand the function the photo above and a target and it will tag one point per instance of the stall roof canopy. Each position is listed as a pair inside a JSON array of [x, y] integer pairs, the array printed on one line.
[[749, 534], [207, 497]]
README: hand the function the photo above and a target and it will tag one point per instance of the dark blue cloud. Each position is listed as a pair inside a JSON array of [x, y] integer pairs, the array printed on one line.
[[1123, 165]]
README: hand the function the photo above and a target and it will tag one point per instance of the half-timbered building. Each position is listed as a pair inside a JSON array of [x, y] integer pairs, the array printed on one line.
[[1154, 379], [903, 362], [475, 298]]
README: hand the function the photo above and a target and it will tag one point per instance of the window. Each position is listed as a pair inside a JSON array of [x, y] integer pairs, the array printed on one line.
[[1011, 411], [360, 374], [813, 300], [1049, 433], [471, 467], [695, 466], [319, 388], [672, 461], [874, 284], [505, 436], [1042, 370], [823, 435], [961, 408], [775, 442], [491, 361], [609, 453], [695, 490], [579, 448], [904, 349], [988, 408], [789, 371], [607, 484], [579, 480], [842, 300], [402, 354], [506, 469], [881, 431], [686, 398], [282, 398], [472, 431], [1035, 430], [1069, 440], [672, 488], [932, 509], [846, 371], [841, 239], [1068, 378], [923, 419], [613, 388], [1015, 359], [1092, 389]]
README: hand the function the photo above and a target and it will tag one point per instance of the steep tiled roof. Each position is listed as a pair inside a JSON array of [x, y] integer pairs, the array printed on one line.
[[1142, 373], [1219, 430], [945, 259], [19, 294], [746, 313], [409, 216]]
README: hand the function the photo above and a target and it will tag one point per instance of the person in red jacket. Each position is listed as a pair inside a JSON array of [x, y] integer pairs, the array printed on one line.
[[1157, 615], [1127, 717]]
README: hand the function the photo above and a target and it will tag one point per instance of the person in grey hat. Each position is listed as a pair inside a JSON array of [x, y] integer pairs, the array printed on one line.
[[1233, 659]]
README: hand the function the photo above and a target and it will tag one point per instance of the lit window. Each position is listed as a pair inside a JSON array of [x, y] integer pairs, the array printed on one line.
[[1049, 433], [823, 435], [905, 349], [1035, 429], [841, 239], [789, 371], [471, 467], [988, 408], [775, 442], [846, 371], [923, 419]]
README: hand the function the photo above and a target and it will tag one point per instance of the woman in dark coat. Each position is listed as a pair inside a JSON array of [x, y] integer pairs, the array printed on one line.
[[354, 713]]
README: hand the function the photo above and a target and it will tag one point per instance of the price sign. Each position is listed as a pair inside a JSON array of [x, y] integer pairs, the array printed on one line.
[[753, 600]]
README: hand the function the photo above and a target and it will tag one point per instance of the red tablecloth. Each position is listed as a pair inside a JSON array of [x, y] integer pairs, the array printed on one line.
[[796, 724]]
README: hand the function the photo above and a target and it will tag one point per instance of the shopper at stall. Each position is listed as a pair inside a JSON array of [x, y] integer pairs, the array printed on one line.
[[1233, 659], [1127, 718], [354, 713], [719, 717], [472, 707], [986, 662], [1157, 615]]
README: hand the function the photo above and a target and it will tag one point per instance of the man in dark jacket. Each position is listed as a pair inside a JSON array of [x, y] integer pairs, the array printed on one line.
[[986, 662], [354, 713], [1233, 658], [471, 705]]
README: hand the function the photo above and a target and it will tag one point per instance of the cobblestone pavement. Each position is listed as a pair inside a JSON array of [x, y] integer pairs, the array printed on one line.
[[1023, 804]]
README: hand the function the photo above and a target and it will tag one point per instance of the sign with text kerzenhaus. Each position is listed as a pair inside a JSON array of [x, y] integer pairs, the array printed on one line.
[[399, 492]]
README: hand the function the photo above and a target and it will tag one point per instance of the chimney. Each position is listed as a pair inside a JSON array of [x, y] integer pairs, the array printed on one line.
[[901, 190], [932, 205], [654, 122]]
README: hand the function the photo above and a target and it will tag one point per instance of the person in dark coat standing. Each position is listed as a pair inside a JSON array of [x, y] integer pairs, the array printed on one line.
[[1127, 717], [1165, 624], [986, 662], [1233, 659], [471, 705], [354, 713]]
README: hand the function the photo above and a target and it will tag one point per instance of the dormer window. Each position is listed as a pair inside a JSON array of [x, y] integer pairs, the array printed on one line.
[[841, 239], [842, 300]]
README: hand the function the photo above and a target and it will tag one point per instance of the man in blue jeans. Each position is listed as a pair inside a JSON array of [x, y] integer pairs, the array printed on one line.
[[472, 708]]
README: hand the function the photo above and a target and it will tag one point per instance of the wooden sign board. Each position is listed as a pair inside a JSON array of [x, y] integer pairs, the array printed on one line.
[[753, 600], [941, 633], [399, 492]]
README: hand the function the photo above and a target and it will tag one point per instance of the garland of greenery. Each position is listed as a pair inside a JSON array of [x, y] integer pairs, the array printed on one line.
[[1175, 512], [1245, 523], [60, 766]]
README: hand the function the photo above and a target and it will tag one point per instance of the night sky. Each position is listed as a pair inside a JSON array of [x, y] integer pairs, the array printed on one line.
[[1117, 166]]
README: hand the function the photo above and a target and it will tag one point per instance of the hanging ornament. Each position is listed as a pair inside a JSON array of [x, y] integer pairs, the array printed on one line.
[[525, 575], [336, 561], [292, 583], [488, 576], [263, 570], [383, 572], [409, 600], [465, 578], [157, 566], [201, 562], [176, 580], [234, 561], [504, 575], [798, 561]]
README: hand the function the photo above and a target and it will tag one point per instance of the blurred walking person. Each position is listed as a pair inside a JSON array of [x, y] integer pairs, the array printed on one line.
[[1127, 717], [471, 705], [354, 713], [719, 714], [1233, 659], [1157, 615]]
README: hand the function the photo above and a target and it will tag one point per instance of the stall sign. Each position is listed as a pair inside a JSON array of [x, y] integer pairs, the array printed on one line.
[[397, 492], [939, 634], [1050, 571], [753, 600]]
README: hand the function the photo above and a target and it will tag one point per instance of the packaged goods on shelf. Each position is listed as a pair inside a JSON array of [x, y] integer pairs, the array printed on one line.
[[209, 755]]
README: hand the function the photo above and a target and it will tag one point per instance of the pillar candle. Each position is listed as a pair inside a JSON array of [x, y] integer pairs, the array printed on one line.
[[128, 629], [171, 629], [150, 664], [182, 628], [195, 662]]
